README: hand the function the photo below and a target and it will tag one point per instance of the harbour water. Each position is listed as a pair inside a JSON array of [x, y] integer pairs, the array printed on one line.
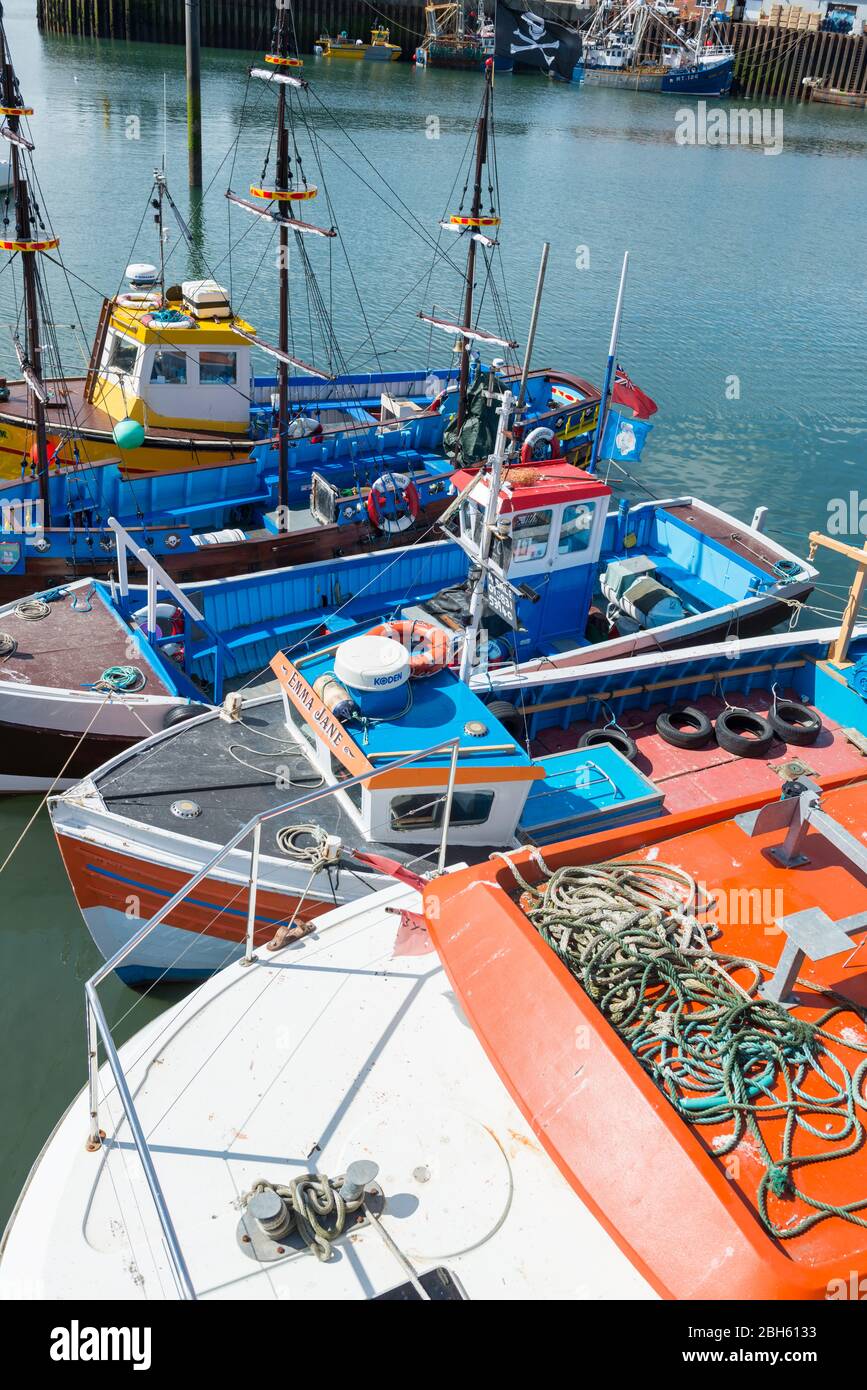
[[744, 319]]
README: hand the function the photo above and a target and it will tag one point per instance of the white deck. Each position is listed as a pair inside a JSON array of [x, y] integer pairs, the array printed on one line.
[[334, 1049]]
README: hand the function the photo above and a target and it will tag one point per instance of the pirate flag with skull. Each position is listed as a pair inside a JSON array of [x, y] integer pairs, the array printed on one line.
[[526, 39]]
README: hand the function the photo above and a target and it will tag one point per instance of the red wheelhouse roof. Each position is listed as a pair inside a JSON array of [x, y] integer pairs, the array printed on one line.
[[555, 482]]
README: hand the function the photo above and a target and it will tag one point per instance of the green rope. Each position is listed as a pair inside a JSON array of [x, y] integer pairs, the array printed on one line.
[[721, 1053], [125, 679]]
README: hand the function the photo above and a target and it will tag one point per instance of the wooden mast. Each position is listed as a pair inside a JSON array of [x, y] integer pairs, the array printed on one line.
[[24, 234], [475, 213], [282, 185]]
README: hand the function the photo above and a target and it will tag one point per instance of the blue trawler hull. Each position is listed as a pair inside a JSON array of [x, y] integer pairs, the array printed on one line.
[[712, 80]]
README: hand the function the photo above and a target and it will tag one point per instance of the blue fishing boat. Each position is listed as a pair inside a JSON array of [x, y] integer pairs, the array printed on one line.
[[694, 65], [597, 749], [215, 468], [539, 569]]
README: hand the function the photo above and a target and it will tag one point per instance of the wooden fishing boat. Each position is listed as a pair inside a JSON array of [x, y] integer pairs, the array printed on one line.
[[616, 580], [538, 768], [219, 471], [818, 90]]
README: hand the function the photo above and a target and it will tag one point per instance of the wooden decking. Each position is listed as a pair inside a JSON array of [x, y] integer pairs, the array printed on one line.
[[70, 650]]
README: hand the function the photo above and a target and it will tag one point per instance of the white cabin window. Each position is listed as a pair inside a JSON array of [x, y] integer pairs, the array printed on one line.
[[471, 521], [424, 810], [576, 527], [218, 368], [530, 532], [170, 368], [124, 355]]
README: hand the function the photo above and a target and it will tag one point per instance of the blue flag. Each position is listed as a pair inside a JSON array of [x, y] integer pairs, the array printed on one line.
[[623, 438]]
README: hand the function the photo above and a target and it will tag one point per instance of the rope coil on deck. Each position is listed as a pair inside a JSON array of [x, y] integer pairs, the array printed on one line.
[[315, 1209], [121, 679], [32, 610], [721, 1053], [288, 841]]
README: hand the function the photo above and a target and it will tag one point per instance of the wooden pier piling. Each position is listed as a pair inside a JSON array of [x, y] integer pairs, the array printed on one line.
[[192, 38]]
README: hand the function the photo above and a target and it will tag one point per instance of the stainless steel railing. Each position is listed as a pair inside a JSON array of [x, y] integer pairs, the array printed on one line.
[[98, 1027]]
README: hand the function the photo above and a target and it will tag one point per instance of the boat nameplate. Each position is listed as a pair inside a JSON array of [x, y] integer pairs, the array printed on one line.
[[320, 719]]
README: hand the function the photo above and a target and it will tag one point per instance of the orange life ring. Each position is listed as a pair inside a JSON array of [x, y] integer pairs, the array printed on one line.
[[537, 436], [403, 490], [429, 647]]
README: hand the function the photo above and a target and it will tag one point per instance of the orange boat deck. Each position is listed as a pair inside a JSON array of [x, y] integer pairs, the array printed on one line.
[[687, 1215], [692, 778]]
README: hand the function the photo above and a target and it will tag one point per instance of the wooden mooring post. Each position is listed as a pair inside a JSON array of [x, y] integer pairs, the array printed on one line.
[[192, 38]]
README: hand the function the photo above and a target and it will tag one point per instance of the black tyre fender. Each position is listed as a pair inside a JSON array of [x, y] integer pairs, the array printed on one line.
[[795, 723], [684, 726], [609, 734], [179, 714], [744, 733], [509, 716]]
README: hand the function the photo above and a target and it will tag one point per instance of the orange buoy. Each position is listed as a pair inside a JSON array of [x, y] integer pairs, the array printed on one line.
[[51, 448]]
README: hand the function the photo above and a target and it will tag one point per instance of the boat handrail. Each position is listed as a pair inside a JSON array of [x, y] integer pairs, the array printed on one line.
[[157, 576], [97, 1024]]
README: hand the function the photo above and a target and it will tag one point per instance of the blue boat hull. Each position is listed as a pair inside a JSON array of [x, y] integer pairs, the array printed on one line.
[[714, 80]]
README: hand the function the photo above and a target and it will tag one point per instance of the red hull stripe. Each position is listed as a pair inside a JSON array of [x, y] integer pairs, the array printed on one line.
[[101, 877]]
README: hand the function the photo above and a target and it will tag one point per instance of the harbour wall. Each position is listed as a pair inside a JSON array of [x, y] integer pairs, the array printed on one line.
[[772, 60]]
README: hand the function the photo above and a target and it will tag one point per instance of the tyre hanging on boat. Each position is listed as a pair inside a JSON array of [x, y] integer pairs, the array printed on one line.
[[611, 734]]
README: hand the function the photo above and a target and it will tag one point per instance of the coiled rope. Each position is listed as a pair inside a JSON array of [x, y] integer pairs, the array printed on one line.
[[289, 842], [125, 679], [315, 1209], [8, 644], [720, 1053], [32, 610]]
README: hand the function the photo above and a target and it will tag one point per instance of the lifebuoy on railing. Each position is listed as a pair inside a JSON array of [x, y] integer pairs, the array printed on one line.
[[170, 623], [429, 647], [403, 490], [540, 435]]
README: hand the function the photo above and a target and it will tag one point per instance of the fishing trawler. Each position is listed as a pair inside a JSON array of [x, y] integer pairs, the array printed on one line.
[[288, 468], [379, 50], [693, 981], [456, 37], [568, 578], [687, 66]]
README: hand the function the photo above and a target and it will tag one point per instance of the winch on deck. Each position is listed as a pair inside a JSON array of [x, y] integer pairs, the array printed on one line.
[[633, 587]]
